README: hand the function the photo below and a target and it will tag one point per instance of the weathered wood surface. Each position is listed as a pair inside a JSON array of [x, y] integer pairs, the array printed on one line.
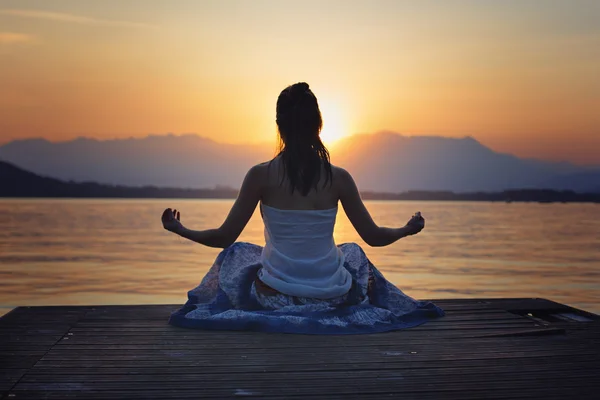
[[483, 348]]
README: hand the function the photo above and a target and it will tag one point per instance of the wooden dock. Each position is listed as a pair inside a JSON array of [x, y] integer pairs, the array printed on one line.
[[483, 348]]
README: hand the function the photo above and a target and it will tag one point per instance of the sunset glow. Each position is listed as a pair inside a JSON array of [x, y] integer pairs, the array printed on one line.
[[520, 77], [334, 124]]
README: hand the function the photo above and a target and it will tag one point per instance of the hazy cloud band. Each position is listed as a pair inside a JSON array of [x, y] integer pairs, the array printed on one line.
[[12, 37], [71, 18]]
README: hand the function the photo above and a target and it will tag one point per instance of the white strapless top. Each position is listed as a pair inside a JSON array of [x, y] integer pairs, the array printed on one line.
[[300, 257]]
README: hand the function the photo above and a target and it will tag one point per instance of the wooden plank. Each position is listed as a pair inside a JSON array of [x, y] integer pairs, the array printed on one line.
[[202, 375], [196, 341], [368, 380], [194, 358], [374, 354], [369, 384], [277, 342], [16, 339], [164, 315], [504, 393], [469, 345], [37, 331], [416, 331], [164, 330], [586, 361], [527, 332], [351, 387], [241, 346], [448, 320], [450, 317], [435, 323], [268, 359], [169, 338], [207, 347], [162, 311]]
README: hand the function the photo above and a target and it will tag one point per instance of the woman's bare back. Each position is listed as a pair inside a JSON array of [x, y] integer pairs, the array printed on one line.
[[277, 192]]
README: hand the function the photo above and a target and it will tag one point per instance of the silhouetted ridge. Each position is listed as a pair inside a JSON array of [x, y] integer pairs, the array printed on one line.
[[16, 182]]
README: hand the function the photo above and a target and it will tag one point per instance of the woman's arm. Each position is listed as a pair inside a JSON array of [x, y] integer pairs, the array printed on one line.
[[362, 221], [234, 224]]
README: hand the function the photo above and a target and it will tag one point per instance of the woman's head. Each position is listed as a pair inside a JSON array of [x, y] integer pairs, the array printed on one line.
[[298, 115], [299, 124]]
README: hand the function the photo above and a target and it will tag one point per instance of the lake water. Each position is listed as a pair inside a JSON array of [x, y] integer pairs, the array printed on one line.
[[57, 252]]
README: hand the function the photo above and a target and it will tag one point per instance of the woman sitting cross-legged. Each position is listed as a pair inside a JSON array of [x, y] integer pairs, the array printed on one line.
[[300, 281]]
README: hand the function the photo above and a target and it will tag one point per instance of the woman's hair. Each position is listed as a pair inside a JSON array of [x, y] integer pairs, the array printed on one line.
[[299, 124]]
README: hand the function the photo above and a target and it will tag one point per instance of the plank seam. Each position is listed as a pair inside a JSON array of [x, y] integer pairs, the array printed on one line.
[[71, 325]]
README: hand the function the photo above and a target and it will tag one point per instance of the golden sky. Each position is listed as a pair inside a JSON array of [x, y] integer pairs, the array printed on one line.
[[521, 76]]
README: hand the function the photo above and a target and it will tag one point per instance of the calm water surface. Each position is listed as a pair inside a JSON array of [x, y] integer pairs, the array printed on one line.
[[116, 252]]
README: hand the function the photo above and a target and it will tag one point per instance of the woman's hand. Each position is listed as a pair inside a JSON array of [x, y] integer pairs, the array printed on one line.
[[171, 220], [416, 224]]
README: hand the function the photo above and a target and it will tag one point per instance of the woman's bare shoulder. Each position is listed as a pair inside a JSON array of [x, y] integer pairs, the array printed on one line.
[[262, 166], [261, 171], [339, 173]]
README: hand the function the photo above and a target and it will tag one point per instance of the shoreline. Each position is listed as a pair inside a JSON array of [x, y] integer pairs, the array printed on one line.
[[18, 183], [98, 191], [458, 199]]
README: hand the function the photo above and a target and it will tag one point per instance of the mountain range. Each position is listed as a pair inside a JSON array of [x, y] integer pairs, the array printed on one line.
[[383, 162]]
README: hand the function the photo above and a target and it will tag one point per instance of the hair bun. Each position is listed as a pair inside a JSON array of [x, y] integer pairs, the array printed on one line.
[[299, 89], [302, 86]]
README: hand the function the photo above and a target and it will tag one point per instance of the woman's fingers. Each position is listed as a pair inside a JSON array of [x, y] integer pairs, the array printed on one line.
[[167, 215], [417, 222]]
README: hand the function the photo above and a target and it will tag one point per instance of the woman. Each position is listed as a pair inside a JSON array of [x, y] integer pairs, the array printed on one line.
[[300, 282]]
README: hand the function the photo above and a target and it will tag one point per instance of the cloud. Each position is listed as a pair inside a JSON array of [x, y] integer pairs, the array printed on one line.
[[15, 38], [70, 18]]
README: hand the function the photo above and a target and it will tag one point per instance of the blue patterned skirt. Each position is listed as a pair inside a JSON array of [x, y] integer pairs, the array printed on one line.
[[230, 297]]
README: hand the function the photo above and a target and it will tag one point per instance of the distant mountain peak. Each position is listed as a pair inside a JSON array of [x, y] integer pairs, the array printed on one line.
[[389, 139], [385, 133]]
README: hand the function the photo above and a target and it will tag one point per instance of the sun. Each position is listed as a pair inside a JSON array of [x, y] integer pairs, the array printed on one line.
[[334, 127]]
